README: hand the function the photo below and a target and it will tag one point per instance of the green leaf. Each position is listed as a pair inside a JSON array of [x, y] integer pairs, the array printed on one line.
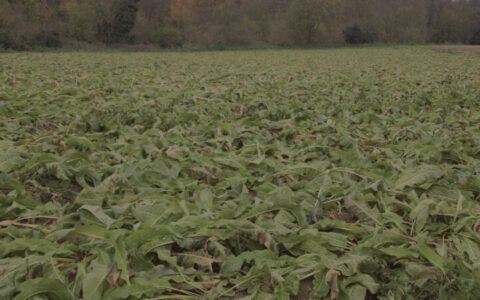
[[364, 280], [354, 292], [53, 288], [139, 288], [232, 264], [356, 204], [121, 258], [420, 214], [97, 211], [94, 282], [412, 177], [10, 160], [400, 252], [91, 231], [431, 256]]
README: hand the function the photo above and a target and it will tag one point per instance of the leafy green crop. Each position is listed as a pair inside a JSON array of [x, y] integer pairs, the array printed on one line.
[[327, 174]]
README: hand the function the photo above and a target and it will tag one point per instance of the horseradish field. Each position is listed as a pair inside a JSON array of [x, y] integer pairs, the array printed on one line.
[[289, 174]]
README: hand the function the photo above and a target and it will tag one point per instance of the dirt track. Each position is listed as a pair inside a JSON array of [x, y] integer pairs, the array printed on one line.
[[458, 48]]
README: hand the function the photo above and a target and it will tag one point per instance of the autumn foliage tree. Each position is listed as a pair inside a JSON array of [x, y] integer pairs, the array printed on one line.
[[213, 24], [180, 9]]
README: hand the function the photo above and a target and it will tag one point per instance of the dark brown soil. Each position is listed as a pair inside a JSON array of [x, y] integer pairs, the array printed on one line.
[[306, 289]]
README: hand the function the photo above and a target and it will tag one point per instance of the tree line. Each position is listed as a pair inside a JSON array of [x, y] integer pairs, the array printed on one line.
[[215, 24]]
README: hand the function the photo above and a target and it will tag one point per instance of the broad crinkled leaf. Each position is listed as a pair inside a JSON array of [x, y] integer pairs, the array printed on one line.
[[412, 177], [52, 288]]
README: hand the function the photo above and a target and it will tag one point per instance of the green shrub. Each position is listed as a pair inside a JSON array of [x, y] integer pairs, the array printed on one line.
[[355, 35], [48, 38], [6, 39], [166, 37], [124, 16], [475, 39]]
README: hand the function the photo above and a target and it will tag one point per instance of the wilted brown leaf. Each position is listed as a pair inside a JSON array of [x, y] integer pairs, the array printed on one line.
[[331, 279], [476, 228], [299, 138]]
